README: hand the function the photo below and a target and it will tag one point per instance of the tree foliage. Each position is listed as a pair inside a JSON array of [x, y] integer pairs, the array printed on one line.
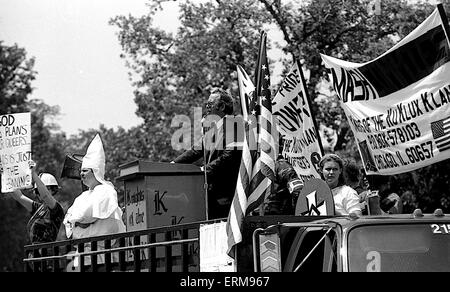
[[16, 77], [16, 74], [176, 72], [346, 30]]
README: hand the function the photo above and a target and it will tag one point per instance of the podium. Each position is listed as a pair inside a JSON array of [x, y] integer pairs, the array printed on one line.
[[162, 194]]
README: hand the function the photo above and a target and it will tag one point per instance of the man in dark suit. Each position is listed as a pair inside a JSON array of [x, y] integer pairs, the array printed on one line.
[[221, 162]]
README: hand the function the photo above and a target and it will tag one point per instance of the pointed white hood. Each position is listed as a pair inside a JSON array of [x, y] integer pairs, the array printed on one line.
[[95, 159]]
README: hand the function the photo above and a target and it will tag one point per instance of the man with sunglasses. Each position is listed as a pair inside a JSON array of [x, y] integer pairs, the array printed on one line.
[[47, 212]]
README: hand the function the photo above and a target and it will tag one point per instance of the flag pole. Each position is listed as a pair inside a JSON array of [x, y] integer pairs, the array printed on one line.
[[305, 90], [444, 21], [205, 186], [257, 92]]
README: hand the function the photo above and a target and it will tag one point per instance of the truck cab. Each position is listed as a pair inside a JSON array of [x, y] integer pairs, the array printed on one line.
[[388, 243]]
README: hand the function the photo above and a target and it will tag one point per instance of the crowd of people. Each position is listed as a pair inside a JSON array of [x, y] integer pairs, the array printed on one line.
[[96, 211]]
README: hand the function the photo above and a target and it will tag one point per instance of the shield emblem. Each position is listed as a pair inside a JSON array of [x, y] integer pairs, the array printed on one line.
[[315, 199]]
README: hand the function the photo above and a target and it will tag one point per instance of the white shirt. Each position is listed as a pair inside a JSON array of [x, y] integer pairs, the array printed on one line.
[[99, 206], [346, 200]]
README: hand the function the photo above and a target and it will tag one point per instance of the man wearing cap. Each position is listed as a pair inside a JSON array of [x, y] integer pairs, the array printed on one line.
[[96, 211], [47, 212]]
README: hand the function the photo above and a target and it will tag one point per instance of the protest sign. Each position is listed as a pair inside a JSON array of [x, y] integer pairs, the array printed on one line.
[[302, 146], [15, 151], [398, 105]]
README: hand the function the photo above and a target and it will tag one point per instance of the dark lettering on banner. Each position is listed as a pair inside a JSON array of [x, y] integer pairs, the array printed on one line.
[[287, 145], [352, 85], [400, 158], [395, 136], [362, 126], [386, 160], [15, 130], [414, 154], [18, 181], [11, 170], [290, 82], [15, 142], [426, 102], [298, 144], [418, 153], [404, 112], [299, 162], [378, 122], [7, 120], [290, 116], [7, 143]]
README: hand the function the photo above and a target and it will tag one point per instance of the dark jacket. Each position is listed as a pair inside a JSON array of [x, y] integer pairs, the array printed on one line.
[[285, 190], [222, 173]]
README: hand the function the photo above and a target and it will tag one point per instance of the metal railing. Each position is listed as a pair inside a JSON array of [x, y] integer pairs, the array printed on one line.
[[162, 249]]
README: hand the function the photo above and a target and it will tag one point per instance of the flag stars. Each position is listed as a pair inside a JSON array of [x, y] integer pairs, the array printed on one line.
[[264, 67]]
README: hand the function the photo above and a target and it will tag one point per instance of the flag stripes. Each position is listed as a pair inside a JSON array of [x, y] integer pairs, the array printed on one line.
[[441, 133], [246, 89], [257, 170]]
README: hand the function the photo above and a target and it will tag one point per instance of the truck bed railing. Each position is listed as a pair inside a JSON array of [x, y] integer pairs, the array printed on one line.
[[166, 249]]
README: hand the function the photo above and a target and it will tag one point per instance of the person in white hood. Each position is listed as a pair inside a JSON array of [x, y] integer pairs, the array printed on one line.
[[96, 211]]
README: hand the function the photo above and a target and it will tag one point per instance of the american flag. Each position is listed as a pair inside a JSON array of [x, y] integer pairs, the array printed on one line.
[[257, 169], [441, 133], [246, 89]]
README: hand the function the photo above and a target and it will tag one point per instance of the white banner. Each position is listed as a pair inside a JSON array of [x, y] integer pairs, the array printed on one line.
[[398, 105], [296, 125], [246, 89], [213, 248], [15, 151]]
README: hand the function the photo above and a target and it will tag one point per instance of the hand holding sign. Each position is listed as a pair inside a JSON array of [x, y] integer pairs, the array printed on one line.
[[31, 164]]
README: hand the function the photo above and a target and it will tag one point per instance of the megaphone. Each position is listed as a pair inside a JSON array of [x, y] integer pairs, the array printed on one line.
[[72, 166]]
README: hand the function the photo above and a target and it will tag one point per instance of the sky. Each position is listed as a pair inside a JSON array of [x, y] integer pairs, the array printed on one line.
[[77, 56]]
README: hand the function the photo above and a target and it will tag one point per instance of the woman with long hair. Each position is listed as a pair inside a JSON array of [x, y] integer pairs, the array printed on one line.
[[346, 199]]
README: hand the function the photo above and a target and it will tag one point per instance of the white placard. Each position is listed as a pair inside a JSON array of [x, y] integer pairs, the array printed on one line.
[[15, 151]]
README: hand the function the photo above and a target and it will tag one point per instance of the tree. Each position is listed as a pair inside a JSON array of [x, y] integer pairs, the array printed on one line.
[[343, 29], [16, 75], [177, 72]]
